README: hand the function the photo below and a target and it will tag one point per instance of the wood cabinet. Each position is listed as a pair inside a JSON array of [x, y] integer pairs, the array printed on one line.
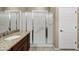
[[22, 45]]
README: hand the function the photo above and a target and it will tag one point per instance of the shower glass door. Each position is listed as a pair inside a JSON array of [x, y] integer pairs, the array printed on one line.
[[39, 27]]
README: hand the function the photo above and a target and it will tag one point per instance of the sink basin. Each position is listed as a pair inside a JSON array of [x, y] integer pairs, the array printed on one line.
[[12, 37]]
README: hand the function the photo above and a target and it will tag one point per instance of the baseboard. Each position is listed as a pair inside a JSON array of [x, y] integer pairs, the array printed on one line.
[[59, 49]]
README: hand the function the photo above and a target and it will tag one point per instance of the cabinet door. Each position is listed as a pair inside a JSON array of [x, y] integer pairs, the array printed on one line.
[[67, 28]]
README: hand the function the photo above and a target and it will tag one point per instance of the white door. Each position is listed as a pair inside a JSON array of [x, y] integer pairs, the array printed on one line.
[[67, 28]]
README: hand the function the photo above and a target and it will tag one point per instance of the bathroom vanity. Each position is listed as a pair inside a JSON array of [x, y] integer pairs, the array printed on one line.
[[22, 43]]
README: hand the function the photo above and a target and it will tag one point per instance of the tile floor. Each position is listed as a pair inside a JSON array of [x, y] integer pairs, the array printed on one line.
[[49, 49], [42, 49]]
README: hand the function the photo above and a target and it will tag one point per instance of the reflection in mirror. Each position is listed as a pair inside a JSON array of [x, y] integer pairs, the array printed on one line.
[[9, 23], [4, 23]]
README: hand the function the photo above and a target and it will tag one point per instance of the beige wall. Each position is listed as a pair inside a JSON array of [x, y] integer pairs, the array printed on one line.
[[24, 9], [54, 10], [56, 28], [38, 8]]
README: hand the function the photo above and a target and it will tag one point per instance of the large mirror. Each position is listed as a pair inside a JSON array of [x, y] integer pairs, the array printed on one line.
[[9, 22]]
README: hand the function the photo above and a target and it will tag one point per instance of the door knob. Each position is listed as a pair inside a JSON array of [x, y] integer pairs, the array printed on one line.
[[61, 30]]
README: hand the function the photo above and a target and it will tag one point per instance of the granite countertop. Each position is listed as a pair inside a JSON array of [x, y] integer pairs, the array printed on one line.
[[5, 45]]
